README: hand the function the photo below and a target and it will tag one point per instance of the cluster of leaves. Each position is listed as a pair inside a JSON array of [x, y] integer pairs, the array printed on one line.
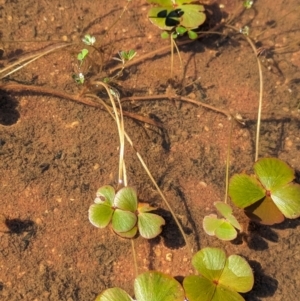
[[223, 228], [125, 214], [220, 278], [268, 196], [177, 16]]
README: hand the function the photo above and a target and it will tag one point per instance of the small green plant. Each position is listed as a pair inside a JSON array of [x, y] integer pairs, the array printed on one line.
[[125, 214], [220, 278], [247, 4], [269, 195], [125, 56], [82, 55], [89, 40], [149, 286], [178, 14], [222, 228]]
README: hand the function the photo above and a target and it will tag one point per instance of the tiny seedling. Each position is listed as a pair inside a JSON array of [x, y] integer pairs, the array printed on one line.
[[79, 78], [170, 14], [247, 4], [270, 195], [224, 228], [125, 214], [82, 55], [125, 56], [149, 286], [220, 278], [89, 40]]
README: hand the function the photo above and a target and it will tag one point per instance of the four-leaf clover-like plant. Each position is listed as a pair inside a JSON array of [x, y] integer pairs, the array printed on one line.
[[178, 14], [270, 195], [220, 278], [126, 215]]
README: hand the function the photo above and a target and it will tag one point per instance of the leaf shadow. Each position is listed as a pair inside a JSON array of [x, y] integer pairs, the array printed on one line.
[[9, 114], [258, 234], [264, 285]]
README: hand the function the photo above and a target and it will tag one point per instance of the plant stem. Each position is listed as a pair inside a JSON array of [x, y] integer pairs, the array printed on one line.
[[261, 87], [228, 161], [120, 125], [260, 91], [134, 257]]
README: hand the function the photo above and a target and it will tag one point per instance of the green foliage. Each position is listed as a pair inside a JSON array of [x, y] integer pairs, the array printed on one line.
[[172, 14], [124, 213], [248, 4], [220, 278], [78, 78], [125, 56], [270, 195], [224, 228], [89, 40], [149, 286], [82, 55]]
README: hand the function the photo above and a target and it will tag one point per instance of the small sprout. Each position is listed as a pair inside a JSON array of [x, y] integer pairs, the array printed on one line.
[[247, 4], [125, 56], [222, 228], [164, 35], [114, 92], [82, 55], [174, 35], [192, 35], [89, 40], [181, 30], [245, 30], [78, 78]]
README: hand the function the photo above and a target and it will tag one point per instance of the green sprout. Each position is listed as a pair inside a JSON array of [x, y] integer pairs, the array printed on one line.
[[224, 228], [78, 78], [82, 55], [125, 56], [247, 4], [89, 40], [245, 30], [220, 278], [270, 195]]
